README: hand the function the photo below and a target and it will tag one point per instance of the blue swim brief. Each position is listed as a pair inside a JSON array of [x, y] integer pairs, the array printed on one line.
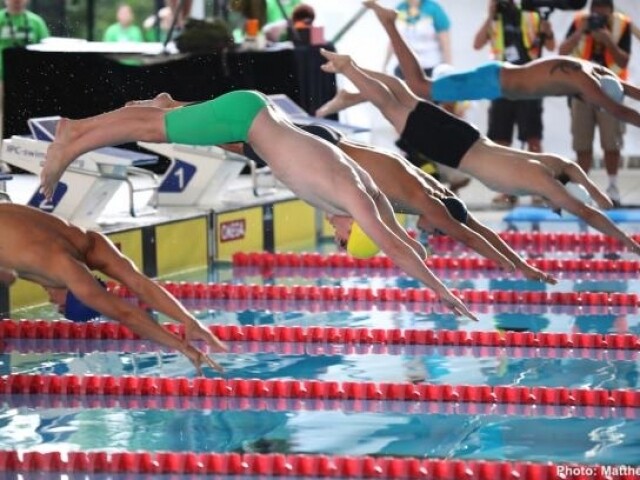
[[477, 84]]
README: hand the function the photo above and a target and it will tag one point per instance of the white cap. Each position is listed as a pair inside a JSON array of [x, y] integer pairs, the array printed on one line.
[[612, 87], [578, 191], [442, 70]]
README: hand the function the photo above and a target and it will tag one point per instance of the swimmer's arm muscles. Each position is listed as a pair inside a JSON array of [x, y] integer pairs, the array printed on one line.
[[631, 90], [106, 258], [470, 237], [366, 214], [79, 280], [595, 218], [499, 244], [578, 175]]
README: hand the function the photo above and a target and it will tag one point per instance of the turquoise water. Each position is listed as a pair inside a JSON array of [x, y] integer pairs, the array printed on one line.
[[389, 428]]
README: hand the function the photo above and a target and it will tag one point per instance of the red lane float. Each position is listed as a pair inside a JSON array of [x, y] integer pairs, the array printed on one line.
[[288, 465], [35, 384], [545, 241], [84, 346], [218, 404], [342, 260], [314, 293], [63, 329]]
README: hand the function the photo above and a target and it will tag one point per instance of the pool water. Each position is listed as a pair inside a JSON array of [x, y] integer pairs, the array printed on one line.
[[492, 432]]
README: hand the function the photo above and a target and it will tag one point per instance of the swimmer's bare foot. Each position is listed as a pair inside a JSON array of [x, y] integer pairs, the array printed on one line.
[[342, 100], [162, 100], [56, 159], [337, 62], [385, 15]]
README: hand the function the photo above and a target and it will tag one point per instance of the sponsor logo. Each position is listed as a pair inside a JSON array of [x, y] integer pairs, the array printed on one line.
[[233, 230]]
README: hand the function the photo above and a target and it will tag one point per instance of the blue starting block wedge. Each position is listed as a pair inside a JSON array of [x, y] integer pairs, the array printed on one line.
[[540, 214]]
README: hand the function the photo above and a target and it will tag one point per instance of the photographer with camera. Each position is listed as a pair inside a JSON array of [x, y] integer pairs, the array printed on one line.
[[516, 36], [602, 36]]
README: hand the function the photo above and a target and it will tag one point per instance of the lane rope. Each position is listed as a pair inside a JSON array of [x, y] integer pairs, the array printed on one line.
[[331, 293], [63, 329], [287, 465], [342, 260], [36, 384]]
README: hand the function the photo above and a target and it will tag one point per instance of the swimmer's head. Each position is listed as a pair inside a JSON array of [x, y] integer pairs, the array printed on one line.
[[70, 306], [612, 88], [360, 244], [456, 208], [350, 237], [442, 70], [577, 191]]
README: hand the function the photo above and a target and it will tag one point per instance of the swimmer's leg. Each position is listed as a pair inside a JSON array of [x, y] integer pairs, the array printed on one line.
[[372, 89], [341, 101], [409, 64], [76, 137]]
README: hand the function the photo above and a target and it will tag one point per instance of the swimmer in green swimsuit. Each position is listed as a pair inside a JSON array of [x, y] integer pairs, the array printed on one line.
[[316, 171], [553, 76]]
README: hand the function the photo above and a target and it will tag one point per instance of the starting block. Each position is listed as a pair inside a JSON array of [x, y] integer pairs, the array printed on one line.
[[91, 180], [198, 175]]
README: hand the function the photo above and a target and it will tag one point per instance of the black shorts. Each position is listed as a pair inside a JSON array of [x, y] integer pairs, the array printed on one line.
[[505, 114], [434, 133]]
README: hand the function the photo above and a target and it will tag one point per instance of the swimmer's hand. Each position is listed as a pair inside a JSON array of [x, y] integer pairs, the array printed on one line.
[[455, 304], [198, 358], [533, 273], [194, 330]]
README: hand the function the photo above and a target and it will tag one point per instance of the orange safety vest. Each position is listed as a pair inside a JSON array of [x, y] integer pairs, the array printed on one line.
[[529, 25], [584, 49]]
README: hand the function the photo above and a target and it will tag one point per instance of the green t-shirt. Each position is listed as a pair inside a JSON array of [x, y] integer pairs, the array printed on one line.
[[118, 33], [20, 30]]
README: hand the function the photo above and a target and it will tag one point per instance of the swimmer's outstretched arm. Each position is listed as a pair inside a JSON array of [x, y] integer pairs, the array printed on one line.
[[592, 93], [78, 279], [577, 175], [105, 257], [372, 89], [556, 194], [364, 211], [530, 272], [630, 90]]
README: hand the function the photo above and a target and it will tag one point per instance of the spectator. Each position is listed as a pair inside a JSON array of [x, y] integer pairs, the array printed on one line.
[[124, 29], [602, 36], [157, 26], [516, 37], [18, 27], [276, 27], [425, 26]]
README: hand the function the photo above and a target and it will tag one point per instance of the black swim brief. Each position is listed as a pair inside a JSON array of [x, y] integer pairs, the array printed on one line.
[[434, 133]]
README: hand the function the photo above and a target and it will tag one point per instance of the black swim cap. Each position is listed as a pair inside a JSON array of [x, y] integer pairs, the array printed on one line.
[[457, 209], [325, 132]]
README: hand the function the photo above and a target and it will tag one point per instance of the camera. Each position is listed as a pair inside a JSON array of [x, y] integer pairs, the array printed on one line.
[[596, 21], [533, 5], [503, 6]]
